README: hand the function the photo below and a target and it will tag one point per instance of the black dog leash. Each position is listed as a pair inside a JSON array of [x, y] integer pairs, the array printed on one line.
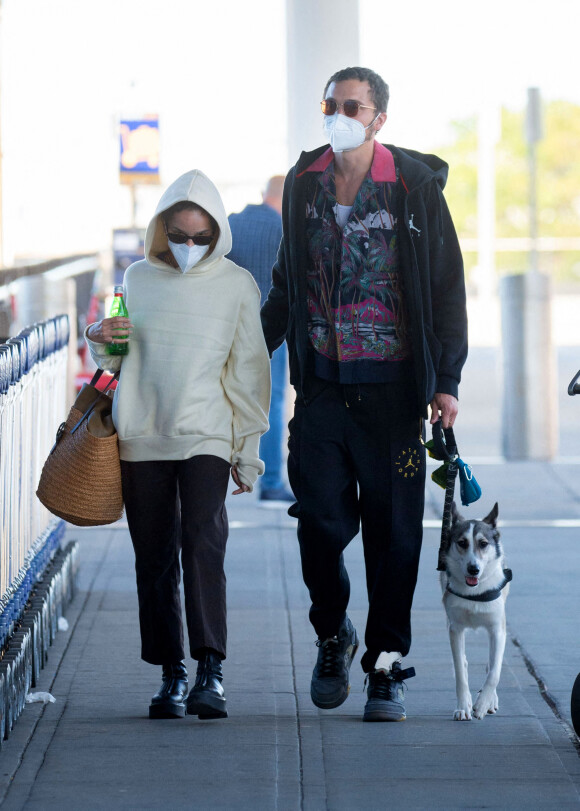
[[445, 449]]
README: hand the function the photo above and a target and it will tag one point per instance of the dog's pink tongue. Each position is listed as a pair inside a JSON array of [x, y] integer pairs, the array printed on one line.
[[471, 581]]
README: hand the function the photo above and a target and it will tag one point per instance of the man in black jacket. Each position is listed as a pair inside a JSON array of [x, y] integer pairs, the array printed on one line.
[[368, 291]]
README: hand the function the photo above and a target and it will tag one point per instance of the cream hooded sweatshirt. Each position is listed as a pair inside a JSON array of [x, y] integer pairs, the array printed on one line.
[[196, 379]]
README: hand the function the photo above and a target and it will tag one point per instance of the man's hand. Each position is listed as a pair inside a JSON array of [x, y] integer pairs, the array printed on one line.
[[110, 330], [242, 488], [444, 406]]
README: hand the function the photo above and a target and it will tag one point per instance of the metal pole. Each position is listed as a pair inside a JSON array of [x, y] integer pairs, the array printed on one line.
[[529, 407], [533, 208], [487, 135], [529, 404], [533, 135]]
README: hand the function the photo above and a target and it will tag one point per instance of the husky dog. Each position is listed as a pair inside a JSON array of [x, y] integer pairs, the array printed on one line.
[[475, 587]]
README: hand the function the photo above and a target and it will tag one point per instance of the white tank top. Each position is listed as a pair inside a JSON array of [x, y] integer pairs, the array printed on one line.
[[342, 213]]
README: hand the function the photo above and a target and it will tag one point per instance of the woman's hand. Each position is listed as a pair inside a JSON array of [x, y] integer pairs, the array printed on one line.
[[111, 330], [242, 488]]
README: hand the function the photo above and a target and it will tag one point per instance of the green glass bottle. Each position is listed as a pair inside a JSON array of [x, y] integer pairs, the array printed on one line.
[[118, 307]]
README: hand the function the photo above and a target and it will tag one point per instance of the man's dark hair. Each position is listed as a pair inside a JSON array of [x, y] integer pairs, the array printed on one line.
[[379, 88]]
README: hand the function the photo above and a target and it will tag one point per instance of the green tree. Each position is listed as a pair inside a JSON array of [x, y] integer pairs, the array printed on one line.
[[558, 186]]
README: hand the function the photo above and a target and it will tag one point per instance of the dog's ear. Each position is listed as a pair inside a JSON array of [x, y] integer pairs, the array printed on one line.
[[455, 516], [492, 517]]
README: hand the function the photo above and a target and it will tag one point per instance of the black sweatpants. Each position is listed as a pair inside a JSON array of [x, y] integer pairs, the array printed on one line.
[[356, 459], [173, 506]]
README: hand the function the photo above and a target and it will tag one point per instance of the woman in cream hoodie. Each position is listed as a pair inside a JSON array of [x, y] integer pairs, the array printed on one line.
[[190, 406]]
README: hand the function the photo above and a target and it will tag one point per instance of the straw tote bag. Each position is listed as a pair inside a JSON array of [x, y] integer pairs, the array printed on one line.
[[81, 478]]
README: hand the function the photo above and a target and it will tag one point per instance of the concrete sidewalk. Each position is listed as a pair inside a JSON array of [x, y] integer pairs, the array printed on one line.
[[95, 748]]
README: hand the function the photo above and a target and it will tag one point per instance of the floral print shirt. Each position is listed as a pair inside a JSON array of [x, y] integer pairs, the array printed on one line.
[[355, 297]]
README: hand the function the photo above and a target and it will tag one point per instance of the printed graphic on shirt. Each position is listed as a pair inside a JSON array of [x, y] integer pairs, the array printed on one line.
[[374, 219], [355, 297]]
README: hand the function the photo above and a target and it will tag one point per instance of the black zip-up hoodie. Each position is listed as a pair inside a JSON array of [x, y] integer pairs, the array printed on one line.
[[431, 266]]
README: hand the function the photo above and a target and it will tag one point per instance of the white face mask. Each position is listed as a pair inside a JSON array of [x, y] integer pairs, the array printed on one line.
[[187, 257], [344, 133]]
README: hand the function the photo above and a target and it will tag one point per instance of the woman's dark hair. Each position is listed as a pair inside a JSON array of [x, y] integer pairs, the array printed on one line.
[[379, 88], [187, 205]]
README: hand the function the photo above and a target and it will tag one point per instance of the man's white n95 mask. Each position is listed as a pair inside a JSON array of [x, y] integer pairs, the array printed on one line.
[[343, 133]]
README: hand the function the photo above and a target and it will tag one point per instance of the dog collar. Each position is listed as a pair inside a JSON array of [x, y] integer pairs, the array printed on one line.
[[485, 596]]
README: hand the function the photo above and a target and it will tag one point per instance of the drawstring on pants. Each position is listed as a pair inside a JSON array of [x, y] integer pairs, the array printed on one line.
[[345, 395]]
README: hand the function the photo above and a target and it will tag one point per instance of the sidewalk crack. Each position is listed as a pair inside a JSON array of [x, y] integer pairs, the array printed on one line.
[[545, 693]]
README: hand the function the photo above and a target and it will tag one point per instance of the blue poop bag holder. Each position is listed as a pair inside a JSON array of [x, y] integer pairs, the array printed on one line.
[[469, 489], [444, 448]]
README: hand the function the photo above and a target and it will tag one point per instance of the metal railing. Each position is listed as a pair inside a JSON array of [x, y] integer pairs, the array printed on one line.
[[33, 374]]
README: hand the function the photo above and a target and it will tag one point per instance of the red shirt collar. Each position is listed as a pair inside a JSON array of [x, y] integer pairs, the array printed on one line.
[[382, 167]]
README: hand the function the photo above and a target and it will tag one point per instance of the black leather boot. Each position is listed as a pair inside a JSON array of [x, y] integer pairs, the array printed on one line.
[[169, 701], [207, 699]]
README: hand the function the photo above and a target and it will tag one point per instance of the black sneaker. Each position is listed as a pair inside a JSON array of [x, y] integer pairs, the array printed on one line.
[[385, 694], [330, 686]]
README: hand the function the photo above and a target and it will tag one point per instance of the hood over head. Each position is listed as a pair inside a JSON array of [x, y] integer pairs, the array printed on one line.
[[197, 188]]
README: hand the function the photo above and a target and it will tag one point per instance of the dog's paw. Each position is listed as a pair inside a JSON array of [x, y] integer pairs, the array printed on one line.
[[462, 715], [486, 704], [494, 706]]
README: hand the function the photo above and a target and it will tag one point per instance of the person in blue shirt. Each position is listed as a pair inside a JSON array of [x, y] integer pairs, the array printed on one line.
[[256, 235]]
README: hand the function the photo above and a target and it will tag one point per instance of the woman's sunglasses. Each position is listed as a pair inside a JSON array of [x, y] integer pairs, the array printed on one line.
[[350, 107], [198, 239]]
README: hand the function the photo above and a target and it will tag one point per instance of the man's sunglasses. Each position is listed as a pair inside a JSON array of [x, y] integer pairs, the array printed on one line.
[[350, 107], [198, 239]]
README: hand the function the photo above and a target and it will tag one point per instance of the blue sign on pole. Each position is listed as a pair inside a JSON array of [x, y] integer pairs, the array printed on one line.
[[139, 158]]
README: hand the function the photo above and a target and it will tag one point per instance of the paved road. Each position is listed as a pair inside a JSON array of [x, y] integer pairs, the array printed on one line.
[[95, 748]]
